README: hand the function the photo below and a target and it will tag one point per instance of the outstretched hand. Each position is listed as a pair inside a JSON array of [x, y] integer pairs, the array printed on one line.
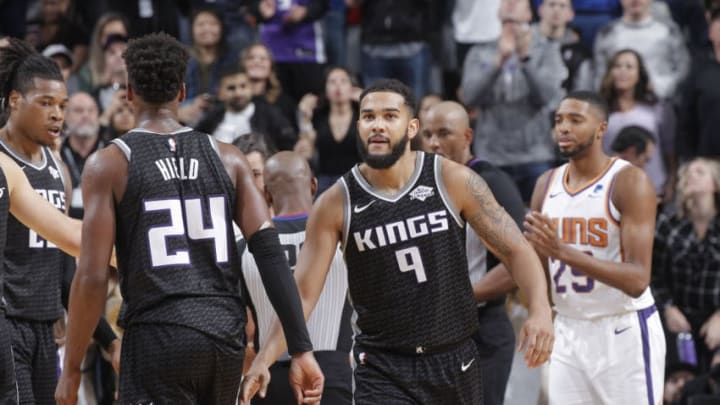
[[542, 233]]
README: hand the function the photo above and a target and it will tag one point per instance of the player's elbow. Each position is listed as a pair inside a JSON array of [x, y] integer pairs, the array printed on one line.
[[638, 286]]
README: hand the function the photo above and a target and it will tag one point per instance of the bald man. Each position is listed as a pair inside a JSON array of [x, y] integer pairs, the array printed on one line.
[[289, 189], [446, 131]]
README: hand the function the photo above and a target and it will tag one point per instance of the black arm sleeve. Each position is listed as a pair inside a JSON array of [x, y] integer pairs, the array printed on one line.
[[281, 288], [103, 334]]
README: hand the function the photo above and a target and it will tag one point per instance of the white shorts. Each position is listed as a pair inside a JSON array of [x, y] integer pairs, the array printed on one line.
[[617, 359]]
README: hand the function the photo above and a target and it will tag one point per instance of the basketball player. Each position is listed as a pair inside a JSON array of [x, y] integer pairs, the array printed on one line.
[[35, 98], [401, 222], [593, 219], [167, 195], [290, 188], [446, 131]]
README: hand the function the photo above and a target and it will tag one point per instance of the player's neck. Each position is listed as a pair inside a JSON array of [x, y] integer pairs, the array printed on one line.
[[20, 144], [394, 178], [161, 119], [588, 167], [291, 207]]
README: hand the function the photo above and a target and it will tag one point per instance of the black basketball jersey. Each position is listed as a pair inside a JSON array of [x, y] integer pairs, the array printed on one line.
[[4, 216], [174, 238], [33, 266], [407, 269]]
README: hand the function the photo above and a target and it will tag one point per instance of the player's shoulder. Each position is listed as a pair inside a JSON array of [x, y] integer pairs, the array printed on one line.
[[329, 208], [632, 187]]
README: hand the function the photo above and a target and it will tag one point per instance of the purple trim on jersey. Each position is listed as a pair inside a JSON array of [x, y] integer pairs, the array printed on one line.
[[290, 217], [472, 162], [643, 316]]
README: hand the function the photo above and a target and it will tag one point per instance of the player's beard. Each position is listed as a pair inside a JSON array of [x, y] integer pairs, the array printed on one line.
[[569, 154], [386, 160]]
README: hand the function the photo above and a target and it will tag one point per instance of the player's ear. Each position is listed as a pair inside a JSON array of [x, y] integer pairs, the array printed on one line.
[[469, 136], [129, 93], [182, 93], [268, 196], [313, 186]]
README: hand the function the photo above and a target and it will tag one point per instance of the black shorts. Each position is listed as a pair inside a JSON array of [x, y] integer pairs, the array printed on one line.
[[450, 377], [36, 360], [338, 381], [8, 383], [168, 364]]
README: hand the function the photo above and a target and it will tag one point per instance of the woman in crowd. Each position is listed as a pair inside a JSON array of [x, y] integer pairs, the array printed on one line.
[[327, 127], [686, 262], [626, 87]]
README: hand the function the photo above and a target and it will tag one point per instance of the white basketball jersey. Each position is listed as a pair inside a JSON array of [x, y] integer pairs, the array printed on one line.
[[587, 220]]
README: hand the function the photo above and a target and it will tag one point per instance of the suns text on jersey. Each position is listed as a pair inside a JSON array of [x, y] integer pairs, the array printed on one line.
[[400, 231], [583, 231], [172, 168]]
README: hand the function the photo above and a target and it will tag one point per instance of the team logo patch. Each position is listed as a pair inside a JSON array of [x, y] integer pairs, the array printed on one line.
[[422, 193], [171, 145], [53, 172], [362, 357], [2, 192]]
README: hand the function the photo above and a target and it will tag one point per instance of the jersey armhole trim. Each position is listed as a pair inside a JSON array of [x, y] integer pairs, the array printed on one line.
[[443, 192], [610, 208], [214, 145], [546, 190], [123, 147], [58, 165], [346, 212]]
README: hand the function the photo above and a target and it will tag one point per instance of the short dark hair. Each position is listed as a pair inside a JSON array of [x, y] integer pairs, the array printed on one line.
[[254, 142], [592, 98], [714, 14], [156, 66], [19, 65], [393, 86], [632, 135], [231, 70]]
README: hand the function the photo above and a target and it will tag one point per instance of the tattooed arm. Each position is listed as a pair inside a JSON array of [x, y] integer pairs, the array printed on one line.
[[501, 235]]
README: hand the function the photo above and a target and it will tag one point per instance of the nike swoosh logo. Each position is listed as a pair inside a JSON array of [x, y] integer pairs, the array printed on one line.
[[555, 194], [359, 209], [619, 331], [464, 367]]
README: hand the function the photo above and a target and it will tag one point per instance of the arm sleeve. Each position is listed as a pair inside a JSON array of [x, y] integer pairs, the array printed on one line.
[[103, 334], [281, 288]]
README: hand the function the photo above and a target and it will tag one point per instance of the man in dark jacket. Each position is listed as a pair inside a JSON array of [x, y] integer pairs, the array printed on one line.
[[239, 114]]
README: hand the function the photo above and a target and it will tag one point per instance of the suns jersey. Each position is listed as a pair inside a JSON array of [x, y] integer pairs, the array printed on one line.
[[587, 220]]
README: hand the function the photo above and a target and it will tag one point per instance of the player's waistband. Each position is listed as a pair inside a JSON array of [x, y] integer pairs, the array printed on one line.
[[421, 350], [644, 312]]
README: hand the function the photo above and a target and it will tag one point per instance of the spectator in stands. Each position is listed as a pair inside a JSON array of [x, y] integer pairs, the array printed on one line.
[[686, 261], [236, 19], [661, 45], [634, 144], [676, 376], [148, 16], [112, 84], [210, 55], [121, 121], [515, 85], [474, 22], [82, 128], [92, 73], [62, 56], [257, 152], [628, 89], [258, 62], [394, 41], [292, 30], [56, 25], [705, 389], [328, 126], [700, 110], [238, 114], [555, 15]]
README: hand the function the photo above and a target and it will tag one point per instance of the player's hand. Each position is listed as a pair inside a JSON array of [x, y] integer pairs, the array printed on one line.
[[538, 336], [66, 392], [543, 235], [306, 378], [711, 331], [114, 351], [676, 320], [256, 381]]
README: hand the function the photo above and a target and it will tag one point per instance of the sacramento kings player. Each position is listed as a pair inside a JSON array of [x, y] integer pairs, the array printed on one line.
[[401, 221], [167, 195], [290, 187]]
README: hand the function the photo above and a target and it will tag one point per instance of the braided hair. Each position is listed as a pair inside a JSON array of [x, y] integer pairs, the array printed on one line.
[[19, 65]]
